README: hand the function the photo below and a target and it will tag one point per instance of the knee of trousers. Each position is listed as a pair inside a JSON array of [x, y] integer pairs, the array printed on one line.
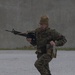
[[37, 64]]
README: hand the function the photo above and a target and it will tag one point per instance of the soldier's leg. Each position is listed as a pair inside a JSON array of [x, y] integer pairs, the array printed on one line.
[[41, 63], [47, 67]]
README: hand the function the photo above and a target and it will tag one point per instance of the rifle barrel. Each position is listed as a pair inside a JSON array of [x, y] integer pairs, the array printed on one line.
[[8, 30]]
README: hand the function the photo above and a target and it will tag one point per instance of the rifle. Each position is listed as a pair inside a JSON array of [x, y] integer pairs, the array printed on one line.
[[27, 35]]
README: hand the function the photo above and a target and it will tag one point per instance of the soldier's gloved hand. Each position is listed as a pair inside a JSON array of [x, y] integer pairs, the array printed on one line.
[[29, 40], [52, 43]]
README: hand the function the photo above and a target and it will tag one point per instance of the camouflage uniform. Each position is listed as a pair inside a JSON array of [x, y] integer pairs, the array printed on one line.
[[44, 49]]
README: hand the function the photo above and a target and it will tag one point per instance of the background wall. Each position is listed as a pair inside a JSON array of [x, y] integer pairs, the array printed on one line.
[[24, 15]]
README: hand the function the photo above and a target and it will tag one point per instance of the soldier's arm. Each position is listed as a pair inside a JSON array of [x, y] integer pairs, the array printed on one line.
[[60, 40]]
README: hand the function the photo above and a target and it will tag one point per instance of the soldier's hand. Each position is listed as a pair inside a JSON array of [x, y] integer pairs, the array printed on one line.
[[29, 39], [52, 43]]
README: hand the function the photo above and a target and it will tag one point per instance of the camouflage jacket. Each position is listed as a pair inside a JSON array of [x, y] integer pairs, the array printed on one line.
[[44, 37]]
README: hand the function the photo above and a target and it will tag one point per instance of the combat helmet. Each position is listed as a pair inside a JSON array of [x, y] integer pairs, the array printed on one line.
[[44, 20]]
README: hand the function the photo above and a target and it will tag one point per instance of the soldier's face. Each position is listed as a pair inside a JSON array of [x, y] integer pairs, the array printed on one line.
[[43, 26]]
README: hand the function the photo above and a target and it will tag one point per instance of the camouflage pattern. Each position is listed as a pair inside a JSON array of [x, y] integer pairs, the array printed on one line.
[[44, 20], [45, 50], [42, 64], [45, 36]]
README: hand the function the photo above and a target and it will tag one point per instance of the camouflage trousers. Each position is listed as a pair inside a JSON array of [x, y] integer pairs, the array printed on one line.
[[42, 64]]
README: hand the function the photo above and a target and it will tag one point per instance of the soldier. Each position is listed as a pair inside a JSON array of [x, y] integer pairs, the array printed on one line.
[[46, 39]]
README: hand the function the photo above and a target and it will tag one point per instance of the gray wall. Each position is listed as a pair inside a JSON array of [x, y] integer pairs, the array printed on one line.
[[24, 15]]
